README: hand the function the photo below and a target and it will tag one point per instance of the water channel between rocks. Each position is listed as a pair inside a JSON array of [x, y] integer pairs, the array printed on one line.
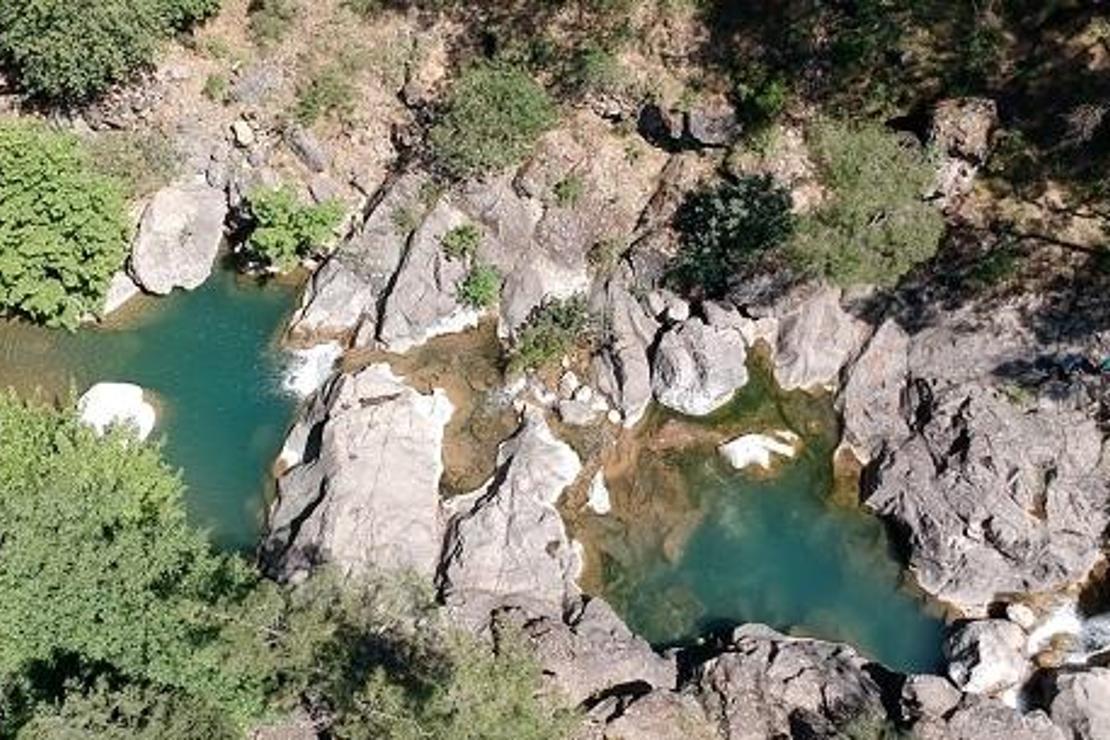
[[689, 545]]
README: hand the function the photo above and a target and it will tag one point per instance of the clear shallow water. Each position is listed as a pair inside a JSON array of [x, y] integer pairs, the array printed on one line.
[[693, 545], [211, 358]]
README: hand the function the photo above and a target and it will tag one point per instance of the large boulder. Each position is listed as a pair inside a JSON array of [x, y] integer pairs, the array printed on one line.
[[507, 543], [622, 369], [362, 491], [934, 710], [961, 135], [179, 238], [768, 685], [816, 338], [656, 715], [1081, 705], [699, 367], [591, 652], [345, 294], [987, 656]]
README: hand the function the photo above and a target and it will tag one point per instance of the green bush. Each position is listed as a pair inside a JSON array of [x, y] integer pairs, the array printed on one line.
[[724, 228], [481, 287], [215, 87], [569, 191], [285, 230], [63, 227], [462, 242], [271, 20], [71, 50], [876, 225], [493, 116], [551, 331], [328, 92]]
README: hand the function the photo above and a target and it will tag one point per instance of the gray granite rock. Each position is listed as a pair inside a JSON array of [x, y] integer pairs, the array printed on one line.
[[1081, 704], [987, 656], [179, 238], [698, 367]]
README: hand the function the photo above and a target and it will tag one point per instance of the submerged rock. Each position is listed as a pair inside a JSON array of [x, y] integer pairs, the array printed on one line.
[[108, 405], [507, 543], [179, 238], [699, 367], [363, 489]]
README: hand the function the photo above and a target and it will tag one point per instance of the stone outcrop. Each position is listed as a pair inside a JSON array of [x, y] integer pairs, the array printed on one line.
[[1081, 705], [815, 339], [699, 367], [961, 134], [179, 238], [622, 368], [656, 715], [996, 494], [768, 685], [362, 491], [935, 710], [506, 543]]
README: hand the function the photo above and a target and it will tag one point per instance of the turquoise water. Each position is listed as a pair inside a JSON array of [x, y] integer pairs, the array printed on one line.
[[211, 358], [694, 545]]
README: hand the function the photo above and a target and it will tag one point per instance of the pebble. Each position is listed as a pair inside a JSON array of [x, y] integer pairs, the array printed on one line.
[[243, 133]]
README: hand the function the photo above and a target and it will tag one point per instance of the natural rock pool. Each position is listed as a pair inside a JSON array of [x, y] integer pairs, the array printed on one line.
[[211, 358], [692, 544]]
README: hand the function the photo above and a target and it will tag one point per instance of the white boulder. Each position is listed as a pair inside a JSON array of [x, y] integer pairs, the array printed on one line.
[[107, 405]]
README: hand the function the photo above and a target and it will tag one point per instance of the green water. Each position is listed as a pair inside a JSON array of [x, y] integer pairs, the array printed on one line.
[[756, 547], [211, 358]]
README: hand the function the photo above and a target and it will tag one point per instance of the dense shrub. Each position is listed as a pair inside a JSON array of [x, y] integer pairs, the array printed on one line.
[[285, 229], [328, 92], [63, 230], [271, 20], [493, 116], [724, 228], [481, 287], [462, 242], [876, 224], [74, 49], [551, 331]]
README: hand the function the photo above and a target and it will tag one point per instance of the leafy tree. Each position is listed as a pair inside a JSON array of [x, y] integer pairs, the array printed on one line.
[[876, 224], [481, 287], [286, 229], [724, 228], [75, 49], [493, 116], [63, 230], [103, 579]]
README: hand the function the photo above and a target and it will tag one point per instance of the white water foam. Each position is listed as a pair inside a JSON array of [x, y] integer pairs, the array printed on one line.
[[1087, 636], [308, 369]]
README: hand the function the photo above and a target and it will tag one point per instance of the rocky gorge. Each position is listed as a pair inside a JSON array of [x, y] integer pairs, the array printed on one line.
[[962, 423]]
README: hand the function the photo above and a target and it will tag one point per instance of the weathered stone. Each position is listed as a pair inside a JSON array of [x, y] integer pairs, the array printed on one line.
[[816, 338], [363, 492], [657, 715], [984, 718], [768, 685], [507, 543], [179, 238], [698, 368], [108, 405], [1081, 705], [712, 124], [307, 148], [622, 370], [871, 400], [591, 653], [987, 656], [961, 132], [121, 290]]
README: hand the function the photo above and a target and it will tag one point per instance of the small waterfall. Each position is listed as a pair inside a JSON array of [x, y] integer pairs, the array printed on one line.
[[308, 369], [1081, 637]]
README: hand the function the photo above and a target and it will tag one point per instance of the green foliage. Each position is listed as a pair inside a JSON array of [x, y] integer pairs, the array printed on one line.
[[102, 576], [215, 87], [569, 191], [271, 20], [328, 92], [723, 229], [285, 229], [68, 50], [481, 287], [493, 116], [604, 254], [364, 8], [462, 242], [762, 95], [551, 331], [143, 161], [594, 69], [63, 229], [877, 225]]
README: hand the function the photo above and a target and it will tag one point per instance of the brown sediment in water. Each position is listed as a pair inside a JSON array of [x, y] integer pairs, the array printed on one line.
[[467, 366]]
